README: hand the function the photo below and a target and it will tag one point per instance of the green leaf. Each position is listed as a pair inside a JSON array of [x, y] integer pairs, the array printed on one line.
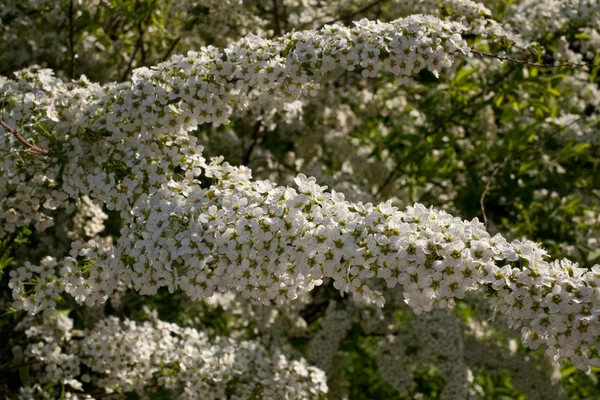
[[593, 256], [61, 312], [463, 73], [24, 375]]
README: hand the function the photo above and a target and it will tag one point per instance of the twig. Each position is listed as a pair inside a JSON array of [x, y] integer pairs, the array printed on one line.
[[9, 328], [507, 159], [138, 46], [387, 181], [276, 17], [487, 187], [25, 364], [142, 47], [583, 64], [286, 22], [183, 34], [132, 58], [4, 390], [533, 64], [255, 137], [9, 244], [33, 148], [354, 14], [171, 48], [102, 395], [72, 39]]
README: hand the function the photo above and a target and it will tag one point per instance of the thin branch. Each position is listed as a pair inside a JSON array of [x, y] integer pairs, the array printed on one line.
[[276, 18], [9, 328], [171, 48], [138, 44], [487, 187], [142, 47], [255, 137], [354, 14], [72, 39], [9, 244], [533, 64], [583, 64], [18, 366], [508, 158], [33, 148], [4, 390], [175, 42], [387, 181], [286, 22]]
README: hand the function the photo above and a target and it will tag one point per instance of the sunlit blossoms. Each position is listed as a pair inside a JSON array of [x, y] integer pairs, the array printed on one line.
[[123, 356], [294, 205]]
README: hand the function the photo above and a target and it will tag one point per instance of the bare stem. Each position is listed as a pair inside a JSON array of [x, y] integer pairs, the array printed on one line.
[[354, 14], [33, 148], [525, 62], [175, 42], [507, 159], [72, 39], [255, 137], [276, 17], [487, 187], [387, 181], [9, 328]]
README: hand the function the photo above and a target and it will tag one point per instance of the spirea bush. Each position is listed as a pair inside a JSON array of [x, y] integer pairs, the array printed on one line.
[[287, 199]]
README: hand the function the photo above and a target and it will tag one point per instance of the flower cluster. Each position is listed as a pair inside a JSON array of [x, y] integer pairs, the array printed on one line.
[[129, 148], [126, 140], [334, 328], [531, 18], [125, 356], [273, 243], [434, 339]]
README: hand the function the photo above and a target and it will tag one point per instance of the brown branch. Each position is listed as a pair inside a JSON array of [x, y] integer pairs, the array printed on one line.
[[354, 14], [525, 62], [138, 46], [6, 392], [18, 366], [583, 64], [172, 48], [33, 148], [9, 328], [387, 181], [255, 137], [9, 244], [72, 39], [183, 34], [276, 17], [508, 158], [286, 22], [487, 187], [142, 47]]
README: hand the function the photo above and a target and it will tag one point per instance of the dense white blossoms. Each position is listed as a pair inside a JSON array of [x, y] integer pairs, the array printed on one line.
[[274, 243], [206, 227], [114, 143], [334, 328], [125, 356], [533, 18]]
